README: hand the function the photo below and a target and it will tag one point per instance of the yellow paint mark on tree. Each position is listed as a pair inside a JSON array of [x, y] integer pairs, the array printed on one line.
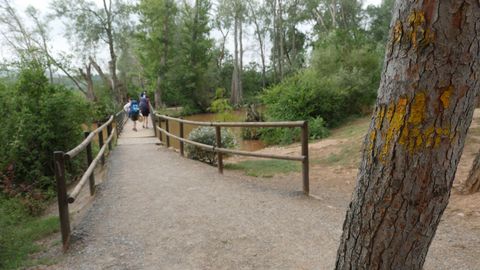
[[397, 31], [410, 128], [446, 95], [396, 115], [418, 33]]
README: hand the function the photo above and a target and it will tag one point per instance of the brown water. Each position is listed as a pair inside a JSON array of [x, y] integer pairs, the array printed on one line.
[[237, 116]]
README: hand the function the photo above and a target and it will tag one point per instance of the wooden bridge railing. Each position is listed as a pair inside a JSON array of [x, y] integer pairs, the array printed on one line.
[[60, 158], [220, 151]]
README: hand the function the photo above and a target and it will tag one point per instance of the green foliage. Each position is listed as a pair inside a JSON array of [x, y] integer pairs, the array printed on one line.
[[18, 233], [341, 82], [104, 106], [38, 119], [265, 168], [317, 129], [221, 106], [380, 17], [206, 135], [281, 136]]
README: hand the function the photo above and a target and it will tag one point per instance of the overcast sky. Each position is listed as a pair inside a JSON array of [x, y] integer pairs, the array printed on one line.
[[60, 44]]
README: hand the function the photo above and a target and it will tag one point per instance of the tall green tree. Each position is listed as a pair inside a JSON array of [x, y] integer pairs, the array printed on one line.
[[156, 39], [380, 17], [194, 55]]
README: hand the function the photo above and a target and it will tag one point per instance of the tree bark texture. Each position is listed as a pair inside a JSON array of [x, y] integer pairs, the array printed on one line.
[[235, 97], [281, 38], [472, 184], [416, 136], [87, 77]]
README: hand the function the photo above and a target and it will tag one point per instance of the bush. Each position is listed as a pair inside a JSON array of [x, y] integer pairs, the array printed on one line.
[[206, 135], [341, 82], [316, 130], [38, 119]]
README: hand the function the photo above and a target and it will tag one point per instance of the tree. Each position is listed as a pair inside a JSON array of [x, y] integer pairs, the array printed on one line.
[[156, 40], [92, 24], [194, 56], [335, 14], [235, 10], [380, 17], [258, 16], [32, 44], [416, 137]]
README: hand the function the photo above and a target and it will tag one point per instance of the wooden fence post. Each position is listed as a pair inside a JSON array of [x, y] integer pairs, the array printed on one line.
[[305, 163], [154, 123], [160, 134], [181, 136], [167, 138], [218, 138], [59, 159], [109, 132], [100, 144], [89, 161]]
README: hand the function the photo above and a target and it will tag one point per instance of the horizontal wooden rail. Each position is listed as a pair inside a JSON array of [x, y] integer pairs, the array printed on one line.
[[230, 151], [79, 148], [76, 191], [234, 124], [60, 169], [201, 145], [220, 150]]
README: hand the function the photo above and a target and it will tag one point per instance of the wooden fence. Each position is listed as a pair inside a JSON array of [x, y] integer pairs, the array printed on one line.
[[220, 151], [60, 158]]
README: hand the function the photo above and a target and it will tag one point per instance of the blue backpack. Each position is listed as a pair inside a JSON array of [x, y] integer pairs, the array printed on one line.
[[134, 108]]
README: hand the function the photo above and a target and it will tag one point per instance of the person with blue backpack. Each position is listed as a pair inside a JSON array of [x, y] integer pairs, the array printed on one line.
[[134, 112]]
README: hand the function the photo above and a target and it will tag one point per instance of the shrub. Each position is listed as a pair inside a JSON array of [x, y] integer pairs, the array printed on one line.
[[341, 82], [206, 135], [316, 130], [38, 119]]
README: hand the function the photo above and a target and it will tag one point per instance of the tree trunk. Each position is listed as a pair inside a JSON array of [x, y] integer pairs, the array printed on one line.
[[234, 98], [112, 64], [240, 70], [106, 80], [281, 38], [472, 184], [258, 32], [87, 76], [158, 91], [275, 41], [416, 137]]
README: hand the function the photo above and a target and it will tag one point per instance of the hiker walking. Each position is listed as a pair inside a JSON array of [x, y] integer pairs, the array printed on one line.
[[134, 112], [145, 108]]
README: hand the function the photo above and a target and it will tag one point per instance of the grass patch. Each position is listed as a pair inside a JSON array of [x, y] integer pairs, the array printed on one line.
[[354, 128], [265, 168], [18, 233], [348, 155]]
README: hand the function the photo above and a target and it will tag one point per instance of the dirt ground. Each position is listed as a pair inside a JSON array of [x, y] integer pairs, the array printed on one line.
[[334, 165], [167, 212]]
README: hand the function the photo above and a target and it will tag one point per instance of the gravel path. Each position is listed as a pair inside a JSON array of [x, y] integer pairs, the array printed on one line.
[[157, 210]]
